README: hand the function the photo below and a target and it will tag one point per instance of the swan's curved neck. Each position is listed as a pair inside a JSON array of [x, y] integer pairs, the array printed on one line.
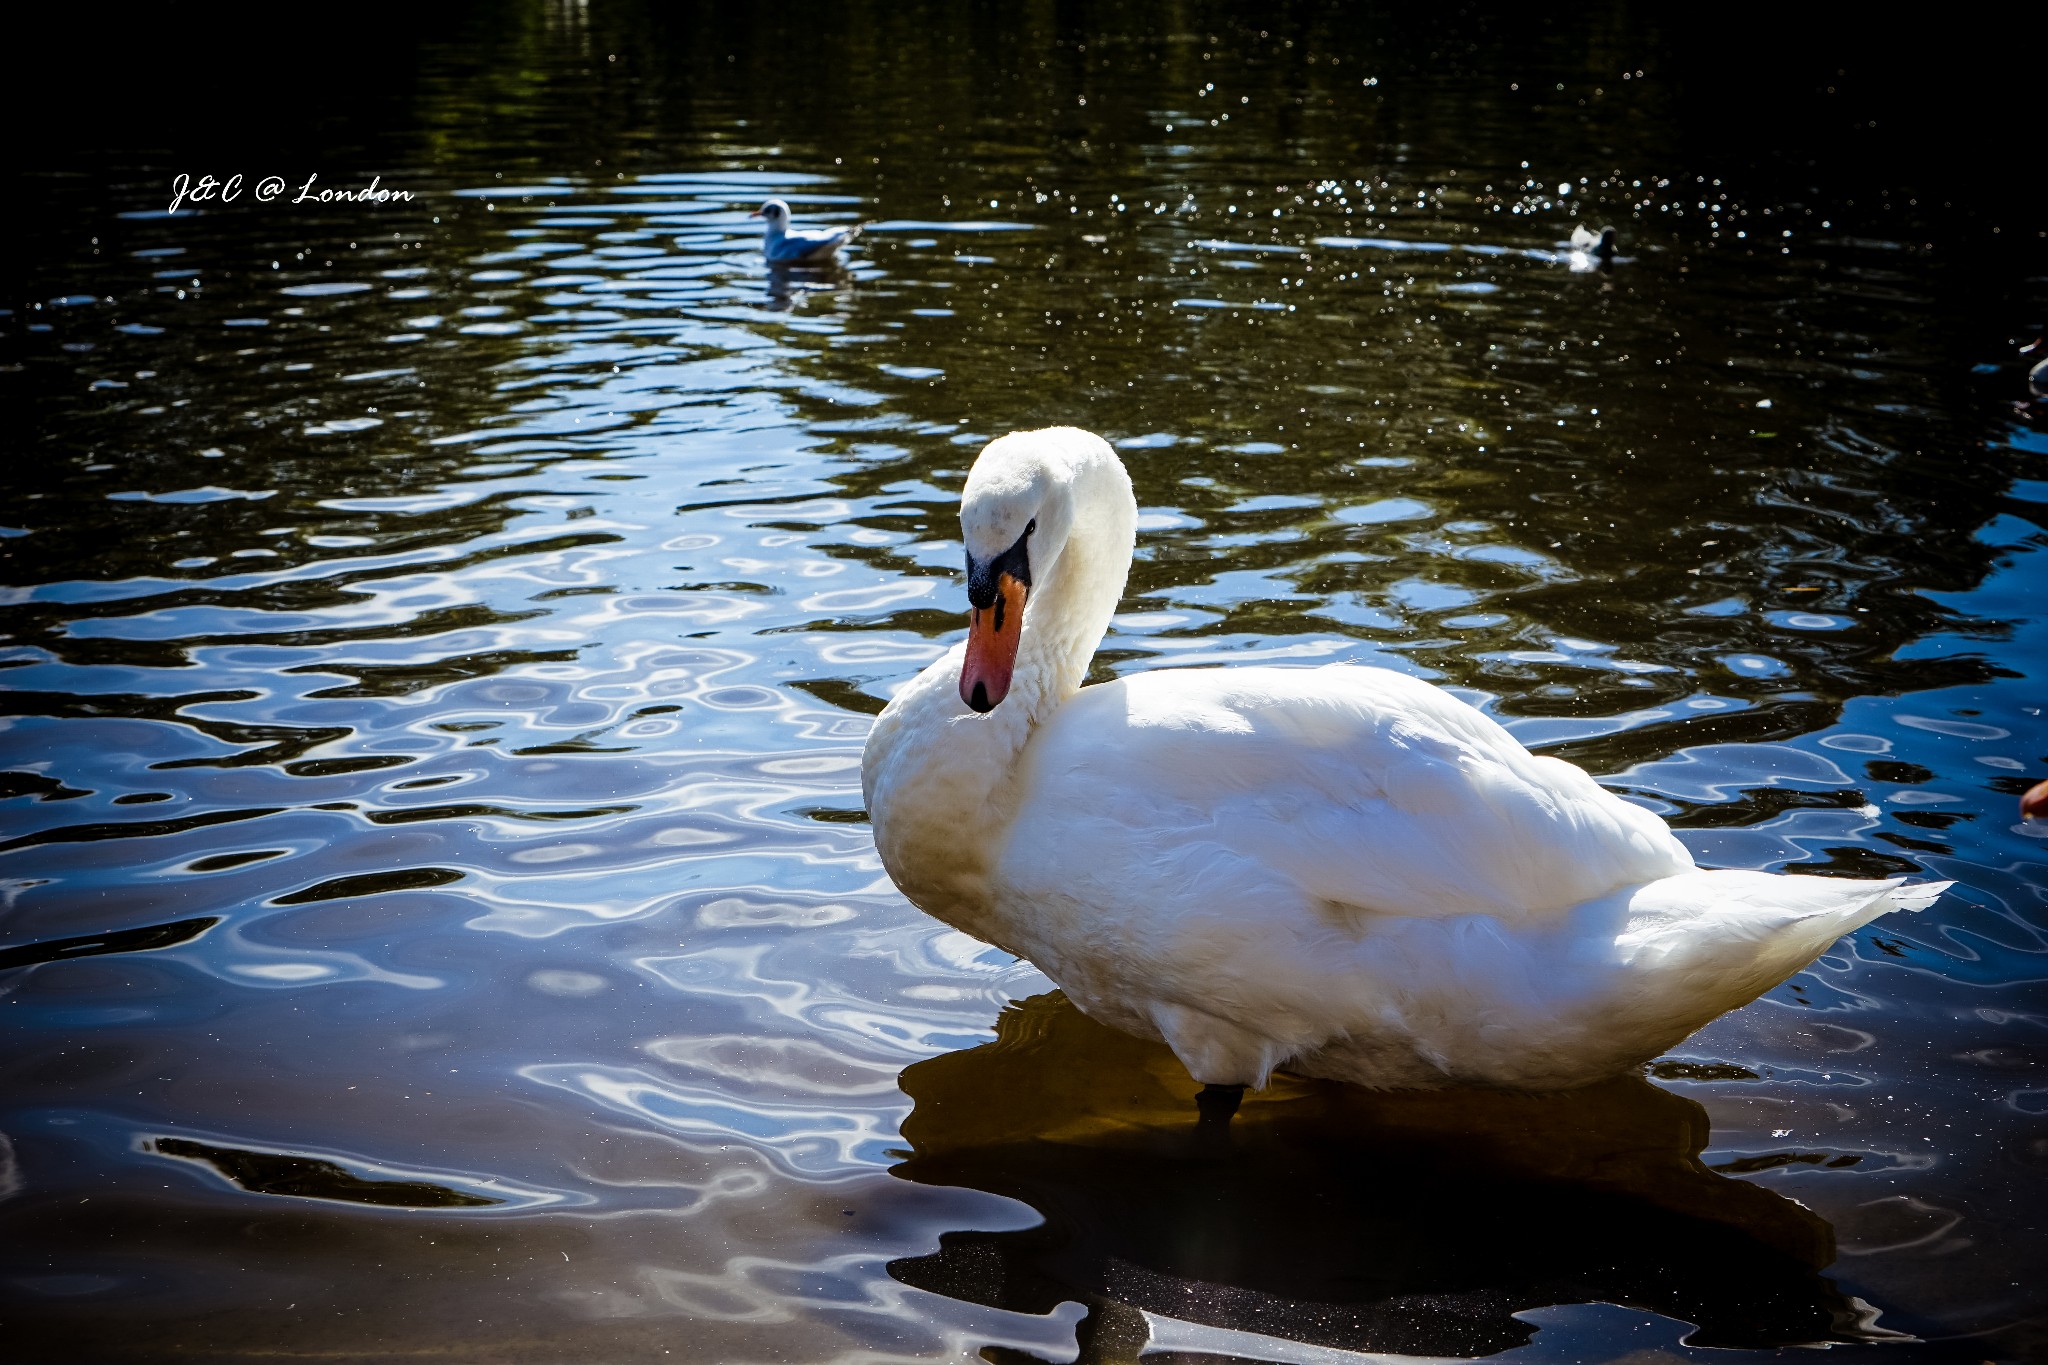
[[941, 780], [1071, 605]]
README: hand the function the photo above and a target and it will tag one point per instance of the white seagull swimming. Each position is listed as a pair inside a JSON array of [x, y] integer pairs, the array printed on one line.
[[1590, 250], [1342, 871], [786, 245]]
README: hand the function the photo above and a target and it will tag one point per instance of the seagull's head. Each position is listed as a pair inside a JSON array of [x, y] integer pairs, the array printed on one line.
[[775, 211]]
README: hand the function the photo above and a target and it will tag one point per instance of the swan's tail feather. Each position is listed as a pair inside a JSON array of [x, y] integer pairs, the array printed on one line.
[[1716, 915], [1917, 896], [1702, 943]]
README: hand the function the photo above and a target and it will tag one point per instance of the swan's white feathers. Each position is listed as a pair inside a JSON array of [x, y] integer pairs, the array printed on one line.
[[1341, 870], [1368, 789]]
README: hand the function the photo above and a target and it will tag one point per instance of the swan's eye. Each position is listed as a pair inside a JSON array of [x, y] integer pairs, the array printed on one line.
[[984, 575], [1031, 526]]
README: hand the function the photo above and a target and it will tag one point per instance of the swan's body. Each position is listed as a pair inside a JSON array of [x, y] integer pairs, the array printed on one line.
[[786, 245], [1342, 870]]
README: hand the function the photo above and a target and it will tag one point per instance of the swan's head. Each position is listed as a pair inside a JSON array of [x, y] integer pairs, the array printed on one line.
[[775, 211], [1017, 515]]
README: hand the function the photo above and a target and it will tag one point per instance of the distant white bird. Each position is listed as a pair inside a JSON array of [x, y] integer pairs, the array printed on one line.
[[1600, 244], [1590, 250], [786, 245]]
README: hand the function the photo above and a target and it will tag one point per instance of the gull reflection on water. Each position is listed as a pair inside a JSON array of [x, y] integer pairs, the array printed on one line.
[[789, 285], [1412, 1222]]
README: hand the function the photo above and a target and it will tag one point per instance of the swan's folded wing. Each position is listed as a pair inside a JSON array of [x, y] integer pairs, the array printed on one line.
[[1365, 789]]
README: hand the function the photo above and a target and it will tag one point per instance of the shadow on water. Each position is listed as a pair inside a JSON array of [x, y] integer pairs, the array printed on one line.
[[283, 1173], [139, 940], [1417, 1222]]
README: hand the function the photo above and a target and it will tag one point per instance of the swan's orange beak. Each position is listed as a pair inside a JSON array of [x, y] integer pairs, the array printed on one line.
[[992, 645]]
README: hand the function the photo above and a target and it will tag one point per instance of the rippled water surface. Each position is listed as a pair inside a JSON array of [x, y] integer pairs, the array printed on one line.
[[440, 920]]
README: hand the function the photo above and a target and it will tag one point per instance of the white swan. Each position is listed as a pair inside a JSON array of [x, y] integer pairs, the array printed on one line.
[[1338, 870]]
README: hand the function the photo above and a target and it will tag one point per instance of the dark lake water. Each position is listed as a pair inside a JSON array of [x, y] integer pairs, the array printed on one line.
[[439, 920]]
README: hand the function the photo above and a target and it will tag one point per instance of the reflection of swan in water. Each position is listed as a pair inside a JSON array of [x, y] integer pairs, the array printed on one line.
[[1413, 1221]]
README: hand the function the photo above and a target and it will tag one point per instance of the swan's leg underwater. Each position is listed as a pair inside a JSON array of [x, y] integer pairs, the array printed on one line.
[[1216, 1104]]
